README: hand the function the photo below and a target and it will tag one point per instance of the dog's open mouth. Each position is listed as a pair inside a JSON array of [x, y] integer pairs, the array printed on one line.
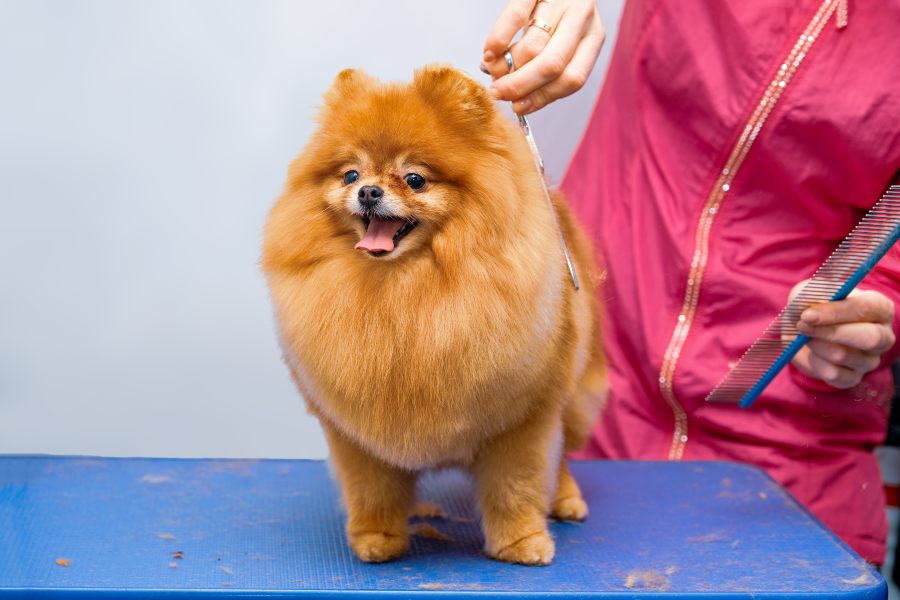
[[383, 235]]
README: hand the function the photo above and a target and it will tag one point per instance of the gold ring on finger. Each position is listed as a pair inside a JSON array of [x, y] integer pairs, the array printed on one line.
[[541, 25]]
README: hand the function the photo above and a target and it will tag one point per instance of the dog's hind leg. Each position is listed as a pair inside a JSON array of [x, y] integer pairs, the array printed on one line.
[[578, 417], [568, 504]]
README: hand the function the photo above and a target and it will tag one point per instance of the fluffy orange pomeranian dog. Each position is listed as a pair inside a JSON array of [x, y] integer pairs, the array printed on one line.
[[426, 312]]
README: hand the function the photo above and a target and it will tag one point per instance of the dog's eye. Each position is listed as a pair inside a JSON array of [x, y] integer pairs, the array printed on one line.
[[415, 181], [350, 177]]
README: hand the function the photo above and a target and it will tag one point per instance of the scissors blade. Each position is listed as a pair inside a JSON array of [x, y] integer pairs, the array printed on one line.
[[539, 164]]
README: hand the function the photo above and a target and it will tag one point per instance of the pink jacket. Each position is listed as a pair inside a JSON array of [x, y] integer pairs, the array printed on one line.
[[733, 146]]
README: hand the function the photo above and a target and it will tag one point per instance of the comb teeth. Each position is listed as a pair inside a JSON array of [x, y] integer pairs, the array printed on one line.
[[872, 237]]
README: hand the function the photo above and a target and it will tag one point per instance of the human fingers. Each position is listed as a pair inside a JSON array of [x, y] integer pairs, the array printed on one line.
[[861, 306], [874, 338], [512, 19], [572, 79], [813, 365], [542, 25], [550, 63], [844, 356]]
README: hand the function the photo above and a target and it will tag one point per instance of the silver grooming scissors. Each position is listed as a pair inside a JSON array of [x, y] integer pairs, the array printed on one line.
[[539, 163]]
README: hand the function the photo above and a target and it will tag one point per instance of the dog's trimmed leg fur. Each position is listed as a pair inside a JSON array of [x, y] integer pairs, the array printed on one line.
[[515, 474], [378, 498]]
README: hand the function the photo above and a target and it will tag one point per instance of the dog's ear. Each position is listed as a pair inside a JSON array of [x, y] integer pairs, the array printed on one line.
[[348, 82], [455, 93]]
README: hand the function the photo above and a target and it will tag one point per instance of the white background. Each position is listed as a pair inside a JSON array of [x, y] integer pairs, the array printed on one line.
[[141, 145]]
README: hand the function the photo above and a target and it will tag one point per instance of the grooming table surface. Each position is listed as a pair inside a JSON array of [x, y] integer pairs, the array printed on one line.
[[136, 528]]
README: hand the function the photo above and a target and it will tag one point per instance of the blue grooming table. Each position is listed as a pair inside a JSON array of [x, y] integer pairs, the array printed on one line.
[[151, 528]]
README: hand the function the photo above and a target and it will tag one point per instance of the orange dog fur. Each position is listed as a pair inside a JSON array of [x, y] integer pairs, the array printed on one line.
[[466, 345]]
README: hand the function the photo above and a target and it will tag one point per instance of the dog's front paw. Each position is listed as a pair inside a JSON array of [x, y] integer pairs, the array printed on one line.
[[571, 508], [375, 547], [535, 549]]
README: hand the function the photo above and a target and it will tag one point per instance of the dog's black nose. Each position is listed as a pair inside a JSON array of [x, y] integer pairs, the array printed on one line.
[[370, 195]]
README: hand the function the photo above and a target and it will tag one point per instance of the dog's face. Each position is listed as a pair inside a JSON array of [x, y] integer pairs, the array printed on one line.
[[385, 201], [392, 164]]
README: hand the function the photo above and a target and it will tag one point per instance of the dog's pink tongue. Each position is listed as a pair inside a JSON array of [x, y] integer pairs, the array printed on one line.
[[379, 235]]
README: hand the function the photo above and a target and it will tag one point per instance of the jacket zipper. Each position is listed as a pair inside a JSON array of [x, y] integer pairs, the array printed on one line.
[[722, 185]]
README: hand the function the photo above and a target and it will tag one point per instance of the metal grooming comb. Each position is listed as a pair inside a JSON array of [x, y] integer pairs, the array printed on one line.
[[539, 163], [872, 237]]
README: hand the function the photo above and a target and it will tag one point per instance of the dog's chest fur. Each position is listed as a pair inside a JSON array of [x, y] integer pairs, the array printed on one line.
[[419, 376]]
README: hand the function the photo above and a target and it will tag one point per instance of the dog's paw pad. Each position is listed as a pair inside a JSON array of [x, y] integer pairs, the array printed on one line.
[[378, 547], [571, 508], [536, 549]]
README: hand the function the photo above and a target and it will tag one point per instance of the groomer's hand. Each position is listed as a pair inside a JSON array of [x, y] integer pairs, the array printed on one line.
[[549, 65], [848, 337]]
